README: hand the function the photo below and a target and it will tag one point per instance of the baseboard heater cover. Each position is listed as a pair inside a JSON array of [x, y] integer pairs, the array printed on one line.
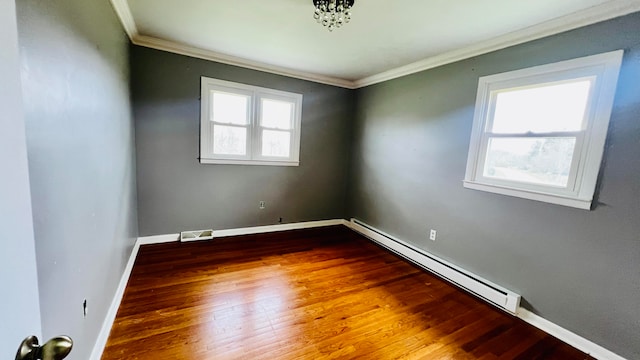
[[485, 289]]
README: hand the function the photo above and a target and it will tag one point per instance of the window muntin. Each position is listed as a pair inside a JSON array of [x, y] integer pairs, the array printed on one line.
[[539, 133], [243, 124]]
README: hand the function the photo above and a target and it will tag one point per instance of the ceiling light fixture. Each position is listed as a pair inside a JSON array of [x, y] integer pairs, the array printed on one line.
[[332, 14]]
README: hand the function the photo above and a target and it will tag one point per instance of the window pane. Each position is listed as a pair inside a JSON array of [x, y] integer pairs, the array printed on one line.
[[229, 108], [276, 143], [546, 108], [545, 161], [276, 114], [229, 140]]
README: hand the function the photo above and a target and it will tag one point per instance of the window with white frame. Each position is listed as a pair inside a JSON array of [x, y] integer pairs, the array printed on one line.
[[539, 133], [249, 125]]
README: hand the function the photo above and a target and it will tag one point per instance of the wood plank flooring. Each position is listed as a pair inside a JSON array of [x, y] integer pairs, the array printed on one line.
[[309, 294]]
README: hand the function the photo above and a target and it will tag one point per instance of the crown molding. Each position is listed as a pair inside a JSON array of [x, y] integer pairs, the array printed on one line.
[[572, 21], [565, 23], [123, 11], [171, 46]]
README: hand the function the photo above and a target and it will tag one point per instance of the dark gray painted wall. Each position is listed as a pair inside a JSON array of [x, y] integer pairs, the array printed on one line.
[[20, 310], [176, 192], [80, 144], [577, 268]]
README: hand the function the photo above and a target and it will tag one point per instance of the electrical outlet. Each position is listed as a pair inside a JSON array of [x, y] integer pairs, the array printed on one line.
[[432, 235], [261, 205]]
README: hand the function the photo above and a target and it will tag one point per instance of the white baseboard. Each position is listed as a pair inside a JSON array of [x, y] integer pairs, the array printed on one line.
[[567, 336], [547, 326], [279, 227], [103, 336], [158, 239], [541, 323]]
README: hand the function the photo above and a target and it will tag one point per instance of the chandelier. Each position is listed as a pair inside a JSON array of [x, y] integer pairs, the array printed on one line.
[[332, 14]]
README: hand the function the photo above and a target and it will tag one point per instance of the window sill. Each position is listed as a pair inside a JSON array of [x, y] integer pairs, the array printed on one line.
[[531, 195], [249, 162]]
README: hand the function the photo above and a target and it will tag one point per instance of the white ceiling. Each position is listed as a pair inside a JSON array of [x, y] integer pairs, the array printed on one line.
[[385, 39]]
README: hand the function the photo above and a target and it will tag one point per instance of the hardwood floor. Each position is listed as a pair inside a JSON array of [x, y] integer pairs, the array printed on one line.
[[310, 294]]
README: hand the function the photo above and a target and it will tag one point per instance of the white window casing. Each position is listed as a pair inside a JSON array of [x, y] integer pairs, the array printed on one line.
[[596, 76], [235, 127]]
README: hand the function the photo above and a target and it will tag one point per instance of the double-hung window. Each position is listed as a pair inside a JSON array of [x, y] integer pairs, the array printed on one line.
[[539, 133], [250, 125]]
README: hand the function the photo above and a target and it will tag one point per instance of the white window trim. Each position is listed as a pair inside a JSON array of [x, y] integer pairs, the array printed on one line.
[[589, 142], [254, 139]]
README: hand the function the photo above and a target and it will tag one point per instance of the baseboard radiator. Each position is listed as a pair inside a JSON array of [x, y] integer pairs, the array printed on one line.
[[490, 292]]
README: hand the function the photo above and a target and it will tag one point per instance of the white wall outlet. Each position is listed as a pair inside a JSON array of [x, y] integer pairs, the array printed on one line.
[[261, 205], [432, 235]]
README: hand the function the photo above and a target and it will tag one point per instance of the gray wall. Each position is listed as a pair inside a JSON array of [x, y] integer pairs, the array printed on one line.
[[80, 144], [176, 192], [20, 310], [577, 268]]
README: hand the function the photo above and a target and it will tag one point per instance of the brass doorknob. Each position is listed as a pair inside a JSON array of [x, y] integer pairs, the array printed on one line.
[[55, 349]]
